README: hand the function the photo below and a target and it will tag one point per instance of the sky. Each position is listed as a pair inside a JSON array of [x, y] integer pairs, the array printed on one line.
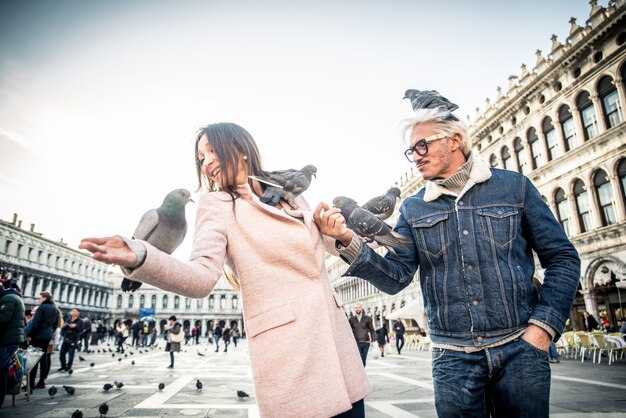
[[100, 101]]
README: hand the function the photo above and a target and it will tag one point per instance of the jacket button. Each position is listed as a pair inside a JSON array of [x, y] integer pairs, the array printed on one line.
[[479, 339], [475, 303], [465, 232], [470, 267]]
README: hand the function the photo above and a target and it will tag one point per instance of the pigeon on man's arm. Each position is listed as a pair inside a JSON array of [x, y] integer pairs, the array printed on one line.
[[164, 227], [383, 206]]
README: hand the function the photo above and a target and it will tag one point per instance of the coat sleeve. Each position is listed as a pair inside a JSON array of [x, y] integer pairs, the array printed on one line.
[[197, 277]]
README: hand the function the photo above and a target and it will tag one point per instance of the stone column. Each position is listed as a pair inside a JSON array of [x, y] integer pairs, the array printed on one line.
[[620, 210], [543, 143], [621, 94], [578, 122], [599, 109]]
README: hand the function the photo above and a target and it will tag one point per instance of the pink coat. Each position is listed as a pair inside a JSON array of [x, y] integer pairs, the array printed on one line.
[[304, 359]]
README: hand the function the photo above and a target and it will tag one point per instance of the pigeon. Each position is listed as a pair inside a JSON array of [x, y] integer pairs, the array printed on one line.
[[69, 389], [81, 358], [200, 354], [119, 359], [383, 206], [430, 99], [132, 362], [241, 394], [113, 355], [118, 385], [366, 225], [103, 409], [92, 364], [70, 371], [164, 227], [198, 384], [52, 391], [161, 386], [77, 414], [285, 184], [125, 355], [107, 387]]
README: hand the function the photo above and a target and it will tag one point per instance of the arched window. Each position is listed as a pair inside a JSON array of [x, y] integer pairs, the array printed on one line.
[[235, 302], [621, 175], [610, 101], [604, 194], [119, 301], [187, 303], [131, 300], [587, 115], [550, 133], [142, 301], [582, 206], [493, 161], [522, 166], [562, 209], [535, 147], [223, 303], [211, 302], [153, 301], [165, 302], [176, 302], [568, 126], [506, 159]]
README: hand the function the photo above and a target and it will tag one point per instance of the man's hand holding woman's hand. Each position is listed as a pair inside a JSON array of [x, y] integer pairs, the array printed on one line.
[[331, 223], [112, 250]]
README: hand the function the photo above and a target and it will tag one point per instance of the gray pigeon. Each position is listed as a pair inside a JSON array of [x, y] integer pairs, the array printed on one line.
[[383, 206], [164, 227], [365, 224], [430, 99], [286, 184]]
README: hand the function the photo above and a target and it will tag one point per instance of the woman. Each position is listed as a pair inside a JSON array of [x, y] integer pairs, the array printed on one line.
[[174, 337], [382, 337], [277, 256], [42, 327]]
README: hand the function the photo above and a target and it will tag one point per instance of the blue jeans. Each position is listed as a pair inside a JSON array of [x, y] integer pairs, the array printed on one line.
[[554, 353], [67, 349], [363, 349], [511, 380]]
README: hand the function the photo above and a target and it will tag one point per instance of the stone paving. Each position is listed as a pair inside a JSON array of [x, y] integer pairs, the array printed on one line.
[[402, 386]]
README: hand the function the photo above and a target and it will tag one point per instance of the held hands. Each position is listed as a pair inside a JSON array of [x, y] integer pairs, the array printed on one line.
[[111, 250], [331, 223]]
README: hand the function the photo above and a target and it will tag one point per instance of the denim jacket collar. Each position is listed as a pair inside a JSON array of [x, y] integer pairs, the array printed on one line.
[[480, 173]]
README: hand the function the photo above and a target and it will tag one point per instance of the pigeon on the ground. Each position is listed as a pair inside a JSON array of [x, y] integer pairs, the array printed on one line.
[[103, 409], [161, 386], [366, 225], [200, 354], [81, 358], [286, 184], [112, 354], [164, 227], [383, 206], [92, 364], [77, 414], [132, 362], [52, 391], [241, 394], [118, 385], [70, 371], [107, 387], [198, 384], [119, 359], [69, 389]]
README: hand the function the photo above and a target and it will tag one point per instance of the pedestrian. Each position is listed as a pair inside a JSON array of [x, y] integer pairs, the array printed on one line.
[[136, 333], [474, 230], [278, 254], [41, 332], [153, 336], [382, 337], [217, 335], [175, 336], [86, 335], [553, 353], [398, 328], [621, 324], [187, 334], [71, 332], [121, 334], [11, 327], [234, 332], [589, 322], [362, 330], [198, 333], [145, 333], [226, 338]]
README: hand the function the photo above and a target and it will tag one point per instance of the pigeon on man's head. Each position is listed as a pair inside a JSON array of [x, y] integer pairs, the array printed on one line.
[[430, 99], [77, 414], [107, 387], [241, 394], [383, 206], [69, 389], [366, 225], [52, 391], [103, 409], [164, 227], [198, 384], [285, 184]]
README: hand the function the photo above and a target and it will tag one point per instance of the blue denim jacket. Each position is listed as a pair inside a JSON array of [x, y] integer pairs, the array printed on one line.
[[475, 259]]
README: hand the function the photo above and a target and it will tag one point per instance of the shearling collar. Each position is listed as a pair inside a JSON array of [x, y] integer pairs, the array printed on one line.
[[480, 173]]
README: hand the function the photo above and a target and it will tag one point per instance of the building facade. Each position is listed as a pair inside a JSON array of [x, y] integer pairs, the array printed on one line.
[[561, 124]]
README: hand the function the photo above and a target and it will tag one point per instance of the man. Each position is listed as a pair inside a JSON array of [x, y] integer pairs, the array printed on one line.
[[136, 331], [86, 334], [398, 327], [474, 230], [11, 327], [621, 324], [589, 322], [71, 333], [363, 330], [41, 330]]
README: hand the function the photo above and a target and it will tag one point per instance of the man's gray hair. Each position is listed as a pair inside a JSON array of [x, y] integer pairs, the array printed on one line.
[[441, 126]]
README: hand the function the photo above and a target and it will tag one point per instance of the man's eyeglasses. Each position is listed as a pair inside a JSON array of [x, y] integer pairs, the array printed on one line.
[[421, 146]]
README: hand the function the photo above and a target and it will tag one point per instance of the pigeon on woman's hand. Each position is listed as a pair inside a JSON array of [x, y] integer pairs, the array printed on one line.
[[383, 206], [366, 225], [286, 184], [164, 227]]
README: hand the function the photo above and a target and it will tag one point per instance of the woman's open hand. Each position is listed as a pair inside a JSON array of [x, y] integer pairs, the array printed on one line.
[[331, 223], [112, 250]]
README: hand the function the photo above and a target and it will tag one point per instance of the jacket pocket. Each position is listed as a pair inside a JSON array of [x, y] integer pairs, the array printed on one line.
[[498, 224], [268, 320], [431, 233]]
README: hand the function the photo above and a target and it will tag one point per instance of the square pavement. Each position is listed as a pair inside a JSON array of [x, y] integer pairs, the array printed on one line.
[[401, 385]]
